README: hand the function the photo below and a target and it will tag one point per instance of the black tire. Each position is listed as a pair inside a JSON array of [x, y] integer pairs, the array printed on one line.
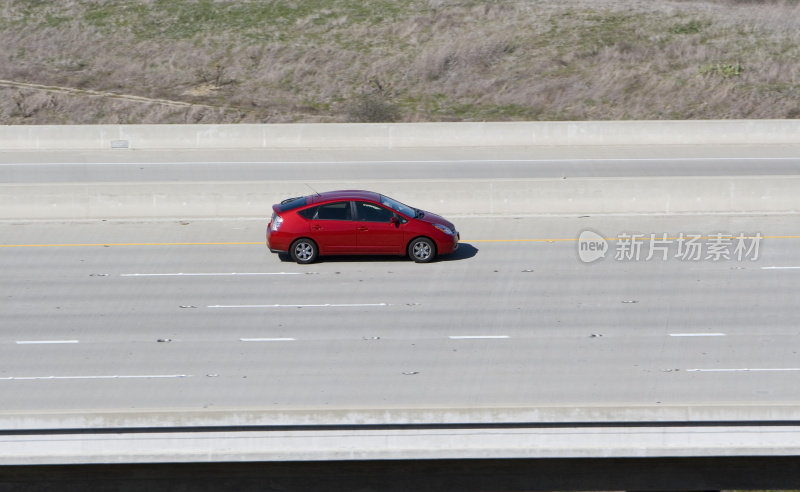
[[422, 250], [304, 251]]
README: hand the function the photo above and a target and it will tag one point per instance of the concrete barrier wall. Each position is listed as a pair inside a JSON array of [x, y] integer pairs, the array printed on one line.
[[496, 196], [466, 134], [199, 436], [578, 196], [244, 417], [197, 446]]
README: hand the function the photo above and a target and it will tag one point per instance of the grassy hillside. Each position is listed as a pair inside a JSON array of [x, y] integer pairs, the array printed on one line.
[[213, 61]]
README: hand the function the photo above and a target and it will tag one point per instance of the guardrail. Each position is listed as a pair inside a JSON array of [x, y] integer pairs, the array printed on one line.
[[394, 135]]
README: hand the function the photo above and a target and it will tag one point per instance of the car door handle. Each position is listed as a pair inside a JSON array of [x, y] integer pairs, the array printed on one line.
[[362, 228], [316, 227]]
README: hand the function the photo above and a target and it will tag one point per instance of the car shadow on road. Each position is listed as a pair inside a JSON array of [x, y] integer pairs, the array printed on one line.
[[464, 252]]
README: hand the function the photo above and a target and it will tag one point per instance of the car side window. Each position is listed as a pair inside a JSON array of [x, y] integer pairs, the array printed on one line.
[[334, 211], [308, 213], [369, 212]]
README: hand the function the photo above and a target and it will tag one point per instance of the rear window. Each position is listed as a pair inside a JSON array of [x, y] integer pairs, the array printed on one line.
[[292, 203]]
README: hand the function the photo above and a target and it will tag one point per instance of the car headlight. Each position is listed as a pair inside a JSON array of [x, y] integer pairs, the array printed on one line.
[[444, 229]]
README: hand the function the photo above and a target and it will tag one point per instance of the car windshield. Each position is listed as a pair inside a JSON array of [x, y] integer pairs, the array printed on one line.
[[397, 206]]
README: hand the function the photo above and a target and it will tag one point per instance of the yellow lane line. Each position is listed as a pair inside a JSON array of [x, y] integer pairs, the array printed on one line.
[[518, 240], [125, 244], [639, 238], [248, 243]]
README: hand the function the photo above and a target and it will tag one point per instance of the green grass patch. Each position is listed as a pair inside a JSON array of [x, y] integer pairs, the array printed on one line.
[[183, 19], [722, 69], [694, 26], [610, 28]]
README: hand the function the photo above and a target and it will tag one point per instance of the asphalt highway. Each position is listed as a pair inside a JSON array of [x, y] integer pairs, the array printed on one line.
[[197, 314]]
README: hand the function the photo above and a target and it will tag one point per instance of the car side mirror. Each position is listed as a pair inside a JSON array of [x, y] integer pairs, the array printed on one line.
[[396, 220]]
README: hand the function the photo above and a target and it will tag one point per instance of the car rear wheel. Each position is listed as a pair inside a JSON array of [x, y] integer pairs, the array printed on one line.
[[304, 251], [421, 250]]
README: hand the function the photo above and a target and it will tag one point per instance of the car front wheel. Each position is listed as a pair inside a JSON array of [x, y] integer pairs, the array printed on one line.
[[304, 251], [421, 250]]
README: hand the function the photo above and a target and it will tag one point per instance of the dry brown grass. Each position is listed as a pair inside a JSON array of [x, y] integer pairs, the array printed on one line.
[[399, 60]]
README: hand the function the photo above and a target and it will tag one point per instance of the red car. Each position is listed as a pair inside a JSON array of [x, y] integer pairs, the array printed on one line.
[[355, 222]]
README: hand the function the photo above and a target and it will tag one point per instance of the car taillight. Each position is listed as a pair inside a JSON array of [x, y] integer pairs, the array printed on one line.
[[277, 220]]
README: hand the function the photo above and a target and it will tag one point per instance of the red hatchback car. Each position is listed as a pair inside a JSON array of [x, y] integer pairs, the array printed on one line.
[[352, 222]]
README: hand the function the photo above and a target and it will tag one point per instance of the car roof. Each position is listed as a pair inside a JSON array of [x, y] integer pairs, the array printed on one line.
[[343, 195]]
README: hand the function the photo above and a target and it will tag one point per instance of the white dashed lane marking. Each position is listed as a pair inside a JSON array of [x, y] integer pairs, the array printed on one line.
[[42, 342], [775, 369], [245, 306], [232, 274], [267, 339], [144, 376], [697, 334], [477, 337]]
